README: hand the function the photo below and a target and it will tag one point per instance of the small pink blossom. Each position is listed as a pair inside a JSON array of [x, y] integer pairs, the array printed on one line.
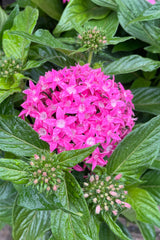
[[64, 1], [151, 1], [118, 176], [98, 209]]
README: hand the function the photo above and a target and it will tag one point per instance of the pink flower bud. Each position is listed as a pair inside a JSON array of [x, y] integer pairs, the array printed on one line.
[[125, 192], [94, 200], [90, 35], [104, 41], [43, 158], [44, 174], [106, 208], [39, 171], [36, 157], [112, 203], [118, 176], [35, 181], [102, 183], [127, 205], [118, 201], [79, 36], [34, 174], [115, 212], [54, 188], [32, 163], [114, 194], [98, 190], [48, 188], [85, 184], [86, 195], [108, 178], [96, 177], [98, 209], [54, 175], [101, 195], [91, 178], [58, 180], [121, 186], [109, 198], [53, 169], [46, 180]]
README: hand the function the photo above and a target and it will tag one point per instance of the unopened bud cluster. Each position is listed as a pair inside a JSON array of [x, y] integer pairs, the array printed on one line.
[[105, 194], [45, 173], [93, 39], [9, 66]]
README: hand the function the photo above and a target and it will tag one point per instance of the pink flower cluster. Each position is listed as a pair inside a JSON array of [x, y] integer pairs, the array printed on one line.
[[152, 1], [64, 1], [79, 107]]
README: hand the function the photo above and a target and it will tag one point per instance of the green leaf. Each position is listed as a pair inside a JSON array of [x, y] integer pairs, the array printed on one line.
[[131, 63], [73, 157], [52, 8], [34, 64], [9, 22], [147, 230], [13, 170], [29, 224], [147, 100], [15, 46], [106, 3], [6, 93], [152, 184], [144, 205], [3, 18], [18, 137], [156, 163], [77, 12], [149, 14], [7, 198], [31, 199], [145, 31], [140, 148], [114, 227], [44, 37], [67, 226]]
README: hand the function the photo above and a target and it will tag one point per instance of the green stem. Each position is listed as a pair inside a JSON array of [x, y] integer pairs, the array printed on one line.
[[90, 57]]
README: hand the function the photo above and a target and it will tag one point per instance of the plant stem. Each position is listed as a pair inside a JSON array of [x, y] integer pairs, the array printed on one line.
[[90, 57]]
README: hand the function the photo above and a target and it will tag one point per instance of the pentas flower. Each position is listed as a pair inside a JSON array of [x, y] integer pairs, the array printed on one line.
[[45, 172], [94, 39], [106, 194], [79, 107], [151, 1], [64, 1], [9, 66]]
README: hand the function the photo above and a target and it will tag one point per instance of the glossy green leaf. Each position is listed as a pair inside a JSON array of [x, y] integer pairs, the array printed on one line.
[[145, 31], [77, 12], [147, 100], [7, 198], [140, 83], [144, 205], [152, 184], [6, 93], [73, 157], [156, 163], [34, 64], [3, 18], [9, 22], [67, 226], [31, 199], [116, 40], [52, 8], [131, 63], [18, 137], [44, 37], [147, 230], [13, 170], [106, 3], [106, 233], [58, 58], [149, 14], [29, 224], [140, 148], [15, 46], [114, 227]]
